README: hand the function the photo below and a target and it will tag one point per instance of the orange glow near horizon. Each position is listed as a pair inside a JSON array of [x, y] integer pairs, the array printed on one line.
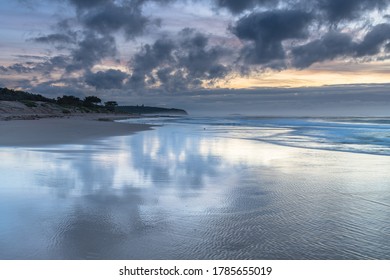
[[372, 73], [321, 74]]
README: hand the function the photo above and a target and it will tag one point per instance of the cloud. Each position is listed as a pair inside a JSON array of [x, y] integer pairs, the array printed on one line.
[[3, 69], [110, 79], [332, 45], [20, 68], [374, 39], [264, 33], [148, 58], [45, 67], [62, 38], [336, 10], [178, 64], [173, 81], [54, 87], [85, 4], [100, 22], [54, 39], [333, 11], [91, 50], [109, 18], [200, 60], [236, 7], [58, 62]]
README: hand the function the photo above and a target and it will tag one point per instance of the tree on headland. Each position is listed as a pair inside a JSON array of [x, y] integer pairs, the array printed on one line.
[[91, 101], [18, 95], [69, 100], [110, 105]]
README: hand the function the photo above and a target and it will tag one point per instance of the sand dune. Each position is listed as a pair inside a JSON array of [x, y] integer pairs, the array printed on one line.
[[10, 110]]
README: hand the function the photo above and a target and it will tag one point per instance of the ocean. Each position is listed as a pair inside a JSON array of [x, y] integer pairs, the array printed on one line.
[[204, 188]]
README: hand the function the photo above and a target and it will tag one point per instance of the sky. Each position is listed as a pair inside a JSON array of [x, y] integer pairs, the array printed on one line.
[[258, 57]]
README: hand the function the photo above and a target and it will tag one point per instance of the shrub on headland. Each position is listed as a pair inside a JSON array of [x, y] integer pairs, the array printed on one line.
[[29, 103]]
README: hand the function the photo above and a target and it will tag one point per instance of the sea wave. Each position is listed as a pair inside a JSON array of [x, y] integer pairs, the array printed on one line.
[[358, 135]]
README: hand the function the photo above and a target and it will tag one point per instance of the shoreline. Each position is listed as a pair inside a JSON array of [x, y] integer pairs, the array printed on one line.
[[59, 130]]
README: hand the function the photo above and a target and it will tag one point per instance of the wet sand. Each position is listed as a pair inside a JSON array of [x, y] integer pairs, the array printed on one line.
[[70, 130], [178, 192]]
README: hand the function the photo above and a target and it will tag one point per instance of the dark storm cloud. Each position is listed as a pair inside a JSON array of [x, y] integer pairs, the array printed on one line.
[[58, 62], [153, 55], [200, 60], [333, 10], [32, 57], [50, 88], [150, 57], [20, 68], [54, 39], [63, 34], [374, 40], [332, 45], [100, 21], [84, 4], [86, 49], [112, 18], [45, 67], [108, 16], [194, 61], [272, 26], [238, 6], [337, 10], [264, 34], [178, 64], [62, 38], [91, 50], [174, 81], [266, 31], [87, 4], [110, 79], [274, 34]]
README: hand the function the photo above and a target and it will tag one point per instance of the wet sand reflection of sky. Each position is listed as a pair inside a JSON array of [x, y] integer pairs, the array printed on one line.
[[175, 193]]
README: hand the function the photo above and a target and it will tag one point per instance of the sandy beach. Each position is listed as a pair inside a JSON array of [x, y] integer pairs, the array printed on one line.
[[67, 130], [181, 192]]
